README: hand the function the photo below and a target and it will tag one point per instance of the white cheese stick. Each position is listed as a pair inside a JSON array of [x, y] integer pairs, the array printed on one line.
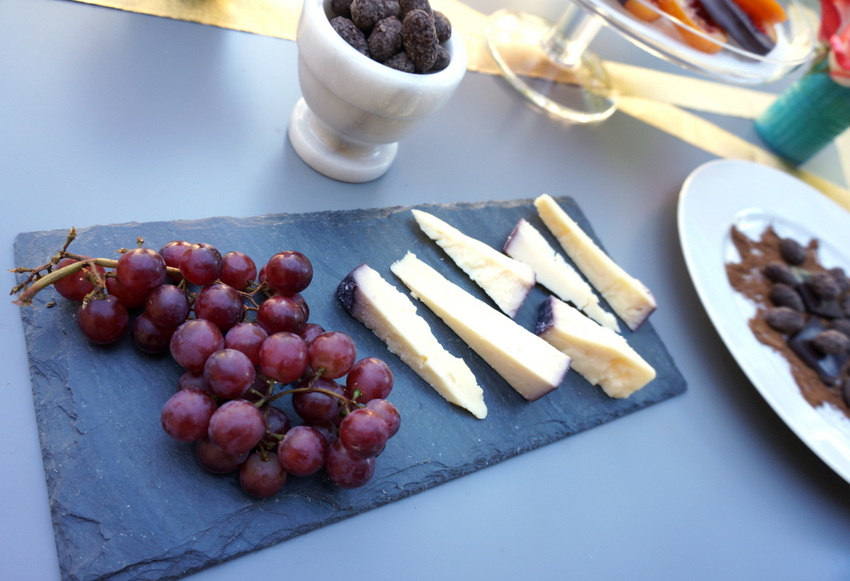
[[626, 295], [528, 363], [601, 356], [392, 316], [505, 280], [528, 245]]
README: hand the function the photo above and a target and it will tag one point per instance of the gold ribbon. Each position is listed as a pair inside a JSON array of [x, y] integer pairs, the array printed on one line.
[[276, 18], [717, 141], [654, 97]]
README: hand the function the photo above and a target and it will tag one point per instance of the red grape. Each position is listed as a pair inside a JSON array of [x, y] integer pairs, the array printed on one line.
[[281, 313], [277, 424], [221, 304], [261, 475], [327, 429], [288, 272], [129, 298], [172, 253], [201, 264], [302, 451], [214, 460], [370, 376], [149, 337], [237, 270], [387, 411], [302, 302], [140, 270], [332, 354], [103, 321], [168, 306], [186, 415], [229, 373], [315, 406], [237, 426], [283, 356], [364, 433], [347, 470], [193, 342], [192, 380], [247, 338], [262, 388], [310, 331], [75, 287]]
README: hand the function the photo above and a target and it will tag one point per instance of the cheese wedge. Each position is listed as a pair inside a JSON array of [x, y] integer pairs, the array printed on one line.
[[527, 245], [505, 280], [392, 316], [626, 295], [601, 356], [529, 364]]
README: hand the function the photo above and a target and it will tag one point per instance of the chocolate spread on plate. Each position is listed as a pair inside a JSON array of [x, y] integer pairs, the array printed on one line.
[[747, 278]]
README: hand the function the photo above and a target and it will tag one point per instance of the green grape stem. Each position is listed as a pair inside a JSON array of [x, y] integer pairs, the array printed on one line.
[[295, 390], [42, 282], [37, 282], [310, 388]]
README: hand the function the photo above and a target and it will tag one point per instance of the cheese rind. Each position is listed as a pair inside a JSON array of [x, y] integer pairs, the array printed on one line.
[[392, 316], [598, 354], [526, 362], [528, 245], [505, 280], [626, 295]]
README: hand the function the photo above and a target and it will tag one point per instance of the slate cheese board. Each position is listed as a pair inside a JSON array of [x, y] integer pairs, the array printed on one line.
[[128, 502]]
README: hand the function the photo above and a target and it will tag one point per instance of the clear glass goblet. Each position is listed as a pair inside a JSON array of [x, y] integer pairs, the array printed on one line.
[[550, 64]]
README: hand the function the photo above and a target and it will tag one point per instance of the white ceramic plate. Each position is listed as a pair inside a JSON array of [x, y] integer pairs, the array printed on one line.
[[713, 198]]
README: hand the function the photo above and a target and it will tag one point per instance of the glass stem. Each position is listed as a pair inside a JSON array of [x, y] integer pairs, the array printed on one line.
[[570, 36]]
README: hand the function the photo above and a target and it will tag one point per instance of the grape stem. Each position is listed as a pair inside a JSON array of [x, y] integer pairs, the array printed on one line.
[[35, 273], [36, 282], [41, 283], [311, 389]]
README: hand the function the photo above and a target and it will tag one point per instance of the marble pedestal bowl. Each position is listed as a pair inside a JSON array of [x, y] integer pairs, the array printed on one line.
[[354, 110]]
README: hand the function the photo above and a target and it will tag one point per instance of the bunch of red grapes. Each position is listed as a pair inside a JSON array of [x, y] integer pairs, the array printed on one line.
[[245, 341]]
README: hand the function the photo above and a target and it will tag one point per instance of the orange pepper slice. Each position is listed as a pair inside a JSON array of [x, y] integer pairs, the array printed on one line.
[[763, 12], [691, 14], [640, 10]]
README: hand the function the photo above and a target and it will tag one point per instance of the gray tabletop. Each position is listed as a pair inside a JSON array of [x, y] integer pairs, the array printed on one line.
[[110, 117]]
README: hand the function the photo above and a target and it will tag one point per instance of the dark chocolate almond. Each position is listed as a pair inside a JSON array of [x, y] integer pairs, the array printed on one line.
[[827, 366], [817, 305]]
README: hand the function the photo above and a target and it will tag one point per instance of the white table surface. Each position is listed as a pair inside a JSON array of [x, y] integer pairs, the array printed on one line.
[[109, 117]]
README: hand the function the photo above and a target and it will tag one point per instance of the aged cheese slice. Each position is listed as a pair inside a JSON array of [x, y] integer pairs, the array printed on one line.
[[528, 245], [505, 280], [626, 295], [598, 354], [392, 316], [528, 363]]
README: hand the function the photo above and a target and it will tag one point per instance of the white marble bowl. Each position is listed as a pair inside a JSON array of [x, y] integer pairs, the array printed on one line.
[[353, 110]]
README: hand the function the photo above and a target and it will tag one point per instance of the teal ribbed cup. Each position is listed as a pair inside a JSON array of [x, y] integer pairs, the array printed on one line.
[[806, 117]]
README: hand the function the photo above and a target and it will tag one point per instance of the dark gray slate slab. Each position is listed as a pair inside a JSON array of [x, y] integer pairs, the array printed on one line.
[[129, 503]]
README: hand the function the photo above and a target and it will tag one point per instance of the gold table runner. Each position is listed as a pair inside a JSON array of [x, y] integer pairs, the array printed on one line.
[[656, 98]]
